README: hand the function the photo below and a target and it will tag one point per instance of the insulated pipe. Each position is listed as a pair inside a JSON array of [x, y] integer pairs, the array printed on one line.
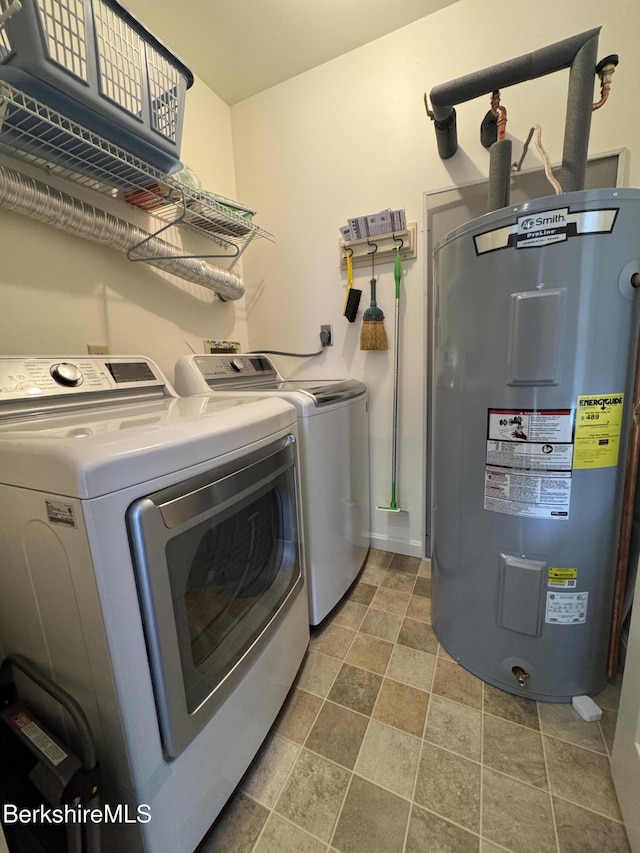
[[579, 50], [29, 197], [499, 175], [446, 135], [578, 121]]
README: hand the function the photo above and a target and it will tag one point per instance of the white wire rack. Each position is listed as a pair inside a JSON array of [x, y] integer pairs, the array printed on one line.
[[33, 132]]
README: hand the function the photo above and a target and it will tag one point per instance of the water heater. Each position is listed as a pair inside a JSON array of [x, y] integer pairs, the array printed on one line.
[[536, 333]]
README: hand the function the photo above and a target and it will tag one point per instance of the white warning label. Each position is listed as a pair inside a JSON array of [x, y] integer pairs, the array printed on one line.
[[60, 513], [528, 462], [541, 495], [509, 454], [39, 738], [545, 426], [566, 608]]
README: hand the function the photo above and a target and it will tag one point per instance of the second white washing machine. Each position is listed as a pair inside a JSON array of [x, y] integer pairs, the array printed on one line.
[[333, 427]]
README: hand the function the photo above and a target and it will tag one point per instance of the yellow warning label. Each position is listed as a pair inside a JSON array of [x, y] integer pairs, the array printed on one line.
[[565, 578], [598, 427]]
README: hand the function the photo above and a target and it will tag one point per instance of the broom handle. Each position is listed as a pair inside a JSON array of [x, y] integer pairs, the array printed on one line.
[[374, 304]]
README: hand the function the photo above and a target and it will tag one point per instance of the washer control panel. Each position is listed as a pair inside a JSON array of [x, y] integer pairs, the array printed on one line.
[[217, 368], [31, 378]]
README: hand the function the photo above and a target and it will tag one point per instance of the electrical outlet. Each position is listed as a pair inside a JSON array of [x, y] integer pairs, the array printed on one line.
[[98, 349], [326, 335]]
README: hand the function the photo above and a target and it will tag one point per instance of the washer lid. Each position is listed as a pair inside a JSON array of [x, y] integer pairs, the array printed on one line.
[[321, 392], [92, 452], [254, 372]]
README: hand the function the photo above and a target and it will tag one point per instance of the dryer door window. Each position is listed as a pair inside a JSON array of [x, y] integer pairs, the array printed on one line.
[[229, 575], [218, 563]]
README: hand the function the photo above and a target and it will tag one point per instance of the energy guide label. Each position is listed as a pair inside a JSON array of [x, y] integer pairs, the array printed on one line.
[[598, 429], [529, 459]]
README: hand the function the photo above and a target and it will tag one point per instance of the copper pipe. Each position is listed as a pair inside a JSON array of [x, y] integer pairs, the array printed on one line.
[[626, 523], [500, 113], [605, 85], [502, 122]]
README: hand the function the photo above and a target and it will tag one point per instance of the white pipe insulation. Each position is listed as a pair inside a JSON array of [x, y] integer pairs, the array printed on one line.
[[30, 197]]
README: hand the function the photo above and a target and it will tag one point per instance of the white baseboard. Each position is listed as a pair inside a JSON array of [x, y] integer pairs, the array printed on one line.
[[412, 548]]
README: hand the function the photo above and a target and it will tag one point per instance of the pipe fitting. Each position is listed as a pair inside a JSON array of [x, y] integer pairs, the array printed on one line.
[[521, 675], [605, 86], [605, 70]]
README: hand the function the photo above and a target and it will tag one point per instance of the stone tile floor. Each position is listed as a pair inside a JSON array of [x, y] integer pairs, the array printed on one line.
[[386, 745]]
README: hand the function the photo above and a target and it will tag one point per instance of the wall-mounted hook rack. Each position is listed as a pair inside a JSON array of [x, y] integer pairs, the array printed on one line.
[[387, 244]]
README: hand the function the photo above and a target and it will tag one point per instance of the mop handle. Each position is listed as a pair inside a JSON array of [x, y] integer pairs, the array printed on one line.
[[397, 273], [394, 450]]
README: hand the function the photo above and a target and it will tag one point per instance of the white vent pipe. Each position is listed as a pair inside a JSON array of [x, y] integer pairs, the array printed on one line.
[[29, 197]]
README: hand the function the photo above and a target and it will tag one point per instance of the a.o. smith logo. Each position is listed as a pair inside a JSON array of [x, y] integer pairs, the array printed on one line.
[[548, 219]]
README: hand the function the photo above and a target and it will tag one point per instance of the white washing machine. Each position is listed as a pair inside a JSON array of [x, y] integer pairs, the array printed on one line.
[[151, 564], [333, 423]]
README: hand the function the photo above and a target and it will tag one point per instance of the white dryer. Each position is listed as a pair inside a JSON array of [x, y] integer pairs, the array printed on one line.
[[333, 424], [150, 563]]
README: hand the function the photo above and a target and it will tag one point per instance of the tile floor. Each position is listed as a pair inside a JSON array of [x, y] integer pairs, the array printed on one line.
[[386, 745]]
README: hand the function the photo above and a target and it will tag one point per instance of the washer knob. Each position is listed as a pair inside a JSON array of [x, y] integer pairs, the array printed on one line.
[[66, 374], [237, 365]]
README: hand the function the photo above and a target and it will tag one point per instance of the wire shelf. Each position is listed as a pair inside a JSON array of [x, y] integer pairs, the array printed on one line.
[[35, 133]]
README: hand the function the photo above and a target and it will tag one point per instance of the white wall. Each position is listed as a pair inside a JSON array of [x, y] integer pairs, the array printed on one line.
[[352, 137], [60, 293]]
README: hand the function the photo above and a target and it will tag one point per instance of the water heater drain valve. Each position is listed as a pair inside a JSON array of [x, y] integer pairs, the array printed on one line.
[[521, 675]]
